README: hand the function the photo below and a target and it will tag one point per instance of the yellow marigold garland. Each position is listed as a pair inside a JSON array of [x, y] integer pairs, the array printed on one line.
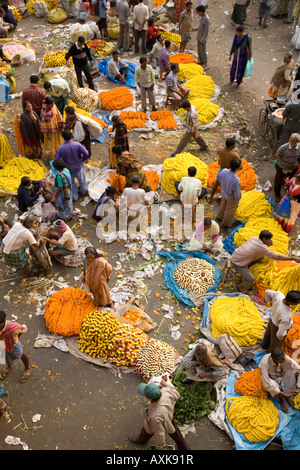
[[187, 71], [253, 204], [238, 317], [6, 152], [16, 168], [255, 418], [125, 345], [200, 86]]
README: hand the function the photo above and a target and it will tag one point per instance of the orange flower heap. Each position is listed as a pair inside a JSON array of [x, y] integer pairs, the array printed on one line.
[[164, 118], [133, 119], [250, 384], [116, 98], [182, 58], [246, 175], [66, 310], [117, 181]]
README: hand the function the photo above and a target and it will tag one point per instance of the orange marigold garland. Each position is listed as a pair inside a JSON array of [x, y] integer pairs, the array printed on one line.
[[291, 342], [117, 181], [164, 118], [152, 178], [116, 98], [182, 58], [246, 175], [250, 384], [66, 309], [133, 119]]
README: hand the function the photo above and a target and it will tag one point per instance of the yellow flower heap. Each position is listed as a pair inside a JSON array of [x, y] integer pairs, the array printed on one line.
[[200, 86], [177, 167], [238, 317], [187, 71], [253, 204], [15, 169], [255, 418]]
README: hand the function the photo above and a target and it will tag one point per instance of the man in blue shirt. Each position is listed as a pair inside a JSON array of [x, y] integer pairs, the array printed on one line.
[[73, 154], [28, 193], [231, 193]]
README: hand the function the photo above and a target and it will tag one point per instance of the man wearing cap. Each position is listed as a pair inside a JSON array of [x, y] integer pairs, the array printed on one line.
[[159, 415]]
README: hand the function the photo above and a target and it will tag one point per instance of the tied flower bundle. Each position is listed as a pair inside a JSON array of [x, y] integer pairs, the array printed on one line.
[[152, 178], [176, 168], [266, 271], [195, 275], [182, 58], [250, 384], [51, 4], [125, 345], [155, 358], [238, 317], [173, 37], [133, 119], [16, 168], [56, 59], [164, 118], [246, 175], [96, 333], [117, 181], [187, 71], [116, 98], [255, 418], [200, 86], [253, 204], [66, 309]]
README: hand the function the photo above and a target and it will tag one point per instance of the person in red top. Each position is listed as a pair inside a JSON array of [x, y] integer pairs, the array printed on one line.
[[34, 95], [152, 33]]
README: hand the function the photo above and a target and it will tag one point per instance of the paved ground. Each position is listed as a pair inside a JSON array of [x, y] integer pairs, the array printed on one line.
[[82, 406]]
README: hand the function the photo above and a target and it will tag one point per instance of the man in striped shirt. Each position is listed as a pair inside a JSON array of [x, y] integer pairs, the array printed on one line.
[[192, 129], [34, 95], [174, 90]]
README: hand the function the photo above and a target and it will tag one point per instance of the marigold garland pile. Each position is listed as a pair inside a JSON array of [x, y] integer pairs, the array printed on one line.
[[200, 86], [238, 317], [164, 118], [116, 98], [133, 119], [5, 150], [182, 58], [155, 358], [176, 168], [173, 37], [291, 342], [247, 175], [56, 59], [97, 330], [15, 169], [152, 178], [250, 384], [207, 111], [66, 309], [253, 228], [125, 345], [117, 181], [255, 418], [187, 71], [253, 204]]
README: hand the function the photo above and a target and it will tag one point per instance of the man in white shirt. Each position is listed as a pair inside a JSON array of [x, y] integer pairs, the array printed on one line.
[[154, 54], [280, 376], [117, 68], [145, 78], [281, 318], [134, 199], [123, 14], [140, 17], [190, 189]]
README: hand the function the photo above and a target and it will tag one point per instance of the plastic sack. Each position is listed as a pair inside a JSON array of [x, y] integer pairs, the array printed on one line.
[[28, 56], [2, 356], [94, 127], [145, 323], [284, 208], [40, 9], [78, 132], [56, 16], [174, 260], [229, 347], [296, 38], [249, 68], [70, 8], [113, 33], [4, 91]]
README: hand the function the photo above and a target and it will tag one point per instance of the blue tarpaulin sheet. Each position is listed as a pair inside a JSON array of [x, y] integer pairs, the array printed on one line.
[[228, 243], [104, 118], [174, 259], [130, 80]]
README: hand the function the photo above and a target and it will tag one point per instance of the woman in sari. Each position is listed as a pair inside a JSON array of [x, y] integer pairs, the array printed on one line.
[[96, 275], [206, 237], [63, 190], [293, 193], [29, 125], [129, 165], [241, 50], [52, 124]]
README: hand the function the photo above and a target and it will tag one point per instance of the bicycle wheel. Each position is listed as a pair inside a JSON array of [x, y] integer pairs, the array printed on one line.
[[263, 122], [272, 137]]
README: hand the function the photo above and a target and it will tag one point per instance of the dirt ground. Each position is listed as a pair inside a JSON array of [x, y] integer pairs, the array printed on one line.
[[82, 406]]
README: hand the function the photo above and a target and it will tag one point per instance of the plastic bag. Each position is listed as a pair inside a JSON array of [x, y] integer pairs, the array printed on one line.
[[94, 127], [296, 38], [28, 56], [78, 132], [2, 353], [56, 16], [40, 9], [249, 68], [284, 208], [145, 323]]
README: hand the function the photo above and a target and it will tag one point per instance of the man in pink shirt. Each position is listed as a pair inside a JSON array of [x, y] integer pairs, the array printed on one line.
[[252, 251]]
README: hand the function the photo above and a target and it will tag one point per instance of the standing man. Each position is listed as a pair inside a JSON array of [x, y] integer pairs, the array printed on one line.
[[251, 252], [159, 419], [123, 14], [202, 35], [231, 193], [291, 115], [192, 129], [140, 17], [145, 78], [73, 154], [34, 95], [59, 89], [281, 318], [281, 82], [81, 55], [225, 155], [185, 26], [154, 54], [100, 10], [286, 157]]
